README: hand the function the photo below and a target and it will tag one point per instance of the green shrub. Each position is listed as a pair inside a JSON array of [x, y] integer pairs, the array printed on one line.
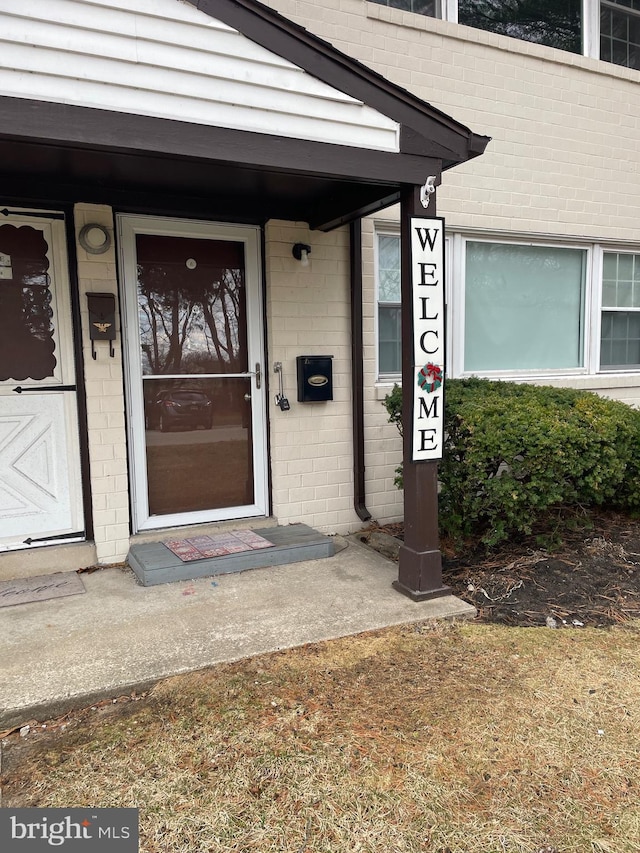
[[512, 452]]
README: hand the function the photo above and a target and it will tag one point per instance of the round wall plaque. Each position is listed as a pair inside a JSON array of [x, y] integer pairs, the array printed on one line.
[[95, 239]]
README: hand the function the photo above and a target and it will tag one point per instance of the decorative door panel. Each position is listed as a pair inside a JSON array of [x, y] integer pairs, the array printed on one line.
[[40, 482], [38, 495]]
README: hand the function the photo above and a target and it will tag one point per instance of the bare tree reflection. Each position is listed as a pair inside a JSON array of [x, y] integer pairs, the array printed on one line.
[[556, 23], [191, 320]]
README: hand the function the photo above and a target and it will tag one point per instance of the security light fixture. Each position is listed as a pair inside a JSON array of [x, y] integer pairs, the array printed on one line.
[[301, 252]]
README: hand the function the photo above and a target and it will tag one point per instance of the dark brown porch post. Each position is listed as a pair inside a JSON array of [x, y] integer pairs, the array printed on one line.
[[420, 561]]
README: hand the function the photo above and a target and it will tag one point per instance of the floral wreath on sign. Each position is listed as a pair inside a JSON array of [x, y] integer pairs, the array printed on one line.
[[430, 377]]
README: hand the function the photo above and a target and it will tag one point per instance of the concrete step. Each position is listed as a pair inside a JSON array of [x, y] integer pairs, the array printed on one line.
[[153, 563]]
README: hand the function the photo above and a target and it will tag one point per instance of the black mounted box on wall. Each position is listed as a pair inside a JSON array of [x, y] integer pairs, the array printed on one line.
[[102, 319], [315, 378]]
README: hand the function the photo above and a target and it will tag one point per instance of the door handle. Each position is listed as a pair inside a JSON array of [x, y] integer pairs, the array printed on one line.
[[247, 397], [258, 375], [40, 389]]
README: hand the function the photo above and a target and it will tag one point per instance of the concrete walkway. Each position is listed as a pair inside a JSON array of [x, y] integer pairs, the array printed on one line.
[[120, 636]]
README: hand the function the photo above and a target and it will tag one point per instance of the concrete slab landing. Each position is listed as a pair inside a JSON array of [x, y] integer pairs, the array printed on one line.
[[120, 636]]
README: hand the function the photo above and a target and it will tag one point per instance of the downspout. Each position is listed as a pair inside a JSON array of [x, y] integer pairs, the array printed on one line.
[[357, 372]]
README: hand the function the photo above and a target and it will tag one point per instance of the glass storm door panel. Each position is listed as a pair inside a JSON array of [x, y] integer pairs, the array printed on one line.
[[40, 480], [198, 445], [194, 340]]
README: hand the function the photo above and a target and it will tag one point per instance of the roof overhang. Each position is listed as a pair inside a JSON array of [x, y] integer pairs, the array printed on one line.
[[63, 153], [69, 153]]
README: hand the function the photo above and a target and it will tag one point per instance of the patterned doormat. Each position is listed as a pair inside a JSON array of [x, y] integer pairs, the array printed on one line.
[[40, 588], [219, 545]]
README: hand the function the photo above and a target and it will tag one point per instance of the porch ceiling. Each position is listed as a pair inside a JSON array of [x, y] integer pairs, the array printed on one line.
[[60, 174]]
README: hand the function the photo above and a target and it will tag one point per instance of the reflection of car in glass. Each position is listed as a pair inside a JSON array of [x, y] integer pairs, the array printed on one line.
[[184, 409]]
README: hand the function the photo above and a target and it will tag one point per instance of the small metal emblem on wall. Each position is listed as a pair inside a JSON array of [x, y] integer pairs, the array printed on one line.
[[102, 320], [427, 277]]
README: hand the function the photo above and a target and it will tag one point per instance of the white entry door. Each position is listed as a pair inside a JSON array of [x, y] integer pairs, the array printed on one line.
[[40, 474], [194, 343]]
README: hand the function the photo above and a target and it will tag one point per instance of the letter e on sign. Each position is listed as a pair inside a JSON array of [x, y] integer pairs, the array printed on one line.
[[427, 282]]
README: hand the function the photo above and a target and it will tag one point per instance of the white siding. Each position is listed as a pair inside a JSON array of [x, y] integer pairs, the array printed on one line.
[[165, 58]]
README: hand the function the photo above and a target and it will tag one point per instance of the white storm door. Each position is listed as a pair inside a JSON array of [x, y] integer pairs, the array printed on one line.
[[194, 344], [40, 472]]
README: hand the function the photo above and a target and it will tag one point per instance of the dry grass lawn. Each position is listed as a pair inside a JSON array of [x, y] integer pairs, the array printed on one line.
[[448, 739]]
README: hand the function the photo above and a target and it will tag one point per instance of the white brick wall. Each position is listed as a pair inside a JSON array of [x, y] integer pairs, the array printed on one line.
[[308, 313], [105, 402]]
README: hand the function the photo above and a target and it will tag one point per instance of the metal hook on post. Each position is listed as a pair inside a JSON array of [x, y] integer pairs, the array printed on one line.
[[427, 190]]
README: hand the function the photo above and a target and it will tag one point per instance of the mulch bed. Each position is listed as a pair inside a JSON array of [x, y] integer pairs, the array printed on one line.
[[591, 578]]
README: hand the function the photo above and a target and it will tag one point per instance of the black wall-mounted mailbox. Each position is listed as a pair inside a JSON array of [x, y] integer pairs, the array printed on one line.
[[102, 319], [315, 378]]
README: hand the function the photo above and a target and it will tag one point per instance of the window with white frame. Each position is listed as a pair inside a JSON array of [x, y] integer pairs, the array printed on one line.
[[389, 315], [431, 8], [620, 325], [603, 29], [620, 32], [523, 308]]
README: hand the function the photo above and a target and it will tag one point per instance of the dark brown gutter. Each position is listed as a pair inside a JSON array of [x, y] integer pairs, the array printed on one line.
[[357, 373]]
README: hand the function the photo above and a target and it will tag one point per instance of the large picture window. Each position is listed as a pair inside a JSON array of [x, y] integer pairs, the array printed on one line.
[[524, 307]]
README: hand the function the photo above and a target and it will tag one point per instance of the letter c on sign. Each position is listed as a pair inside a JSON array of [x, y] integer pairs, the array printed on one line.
[[422, 343]]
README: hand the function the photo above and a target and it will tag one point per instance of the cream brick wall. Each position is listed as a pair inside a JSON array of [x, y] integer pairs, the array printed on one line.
[[308, 313], [105, 402], [563, 160]]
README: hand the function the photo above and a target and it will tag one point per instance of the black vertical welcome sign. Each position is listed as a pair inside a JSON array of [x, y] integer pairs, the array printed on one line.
[[427, 277]]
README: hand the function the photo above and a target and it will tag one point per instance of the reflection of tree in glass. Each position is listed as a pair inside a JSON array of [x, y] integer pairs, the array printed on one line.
[[555, 23], [36, 306], [190, 322]]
